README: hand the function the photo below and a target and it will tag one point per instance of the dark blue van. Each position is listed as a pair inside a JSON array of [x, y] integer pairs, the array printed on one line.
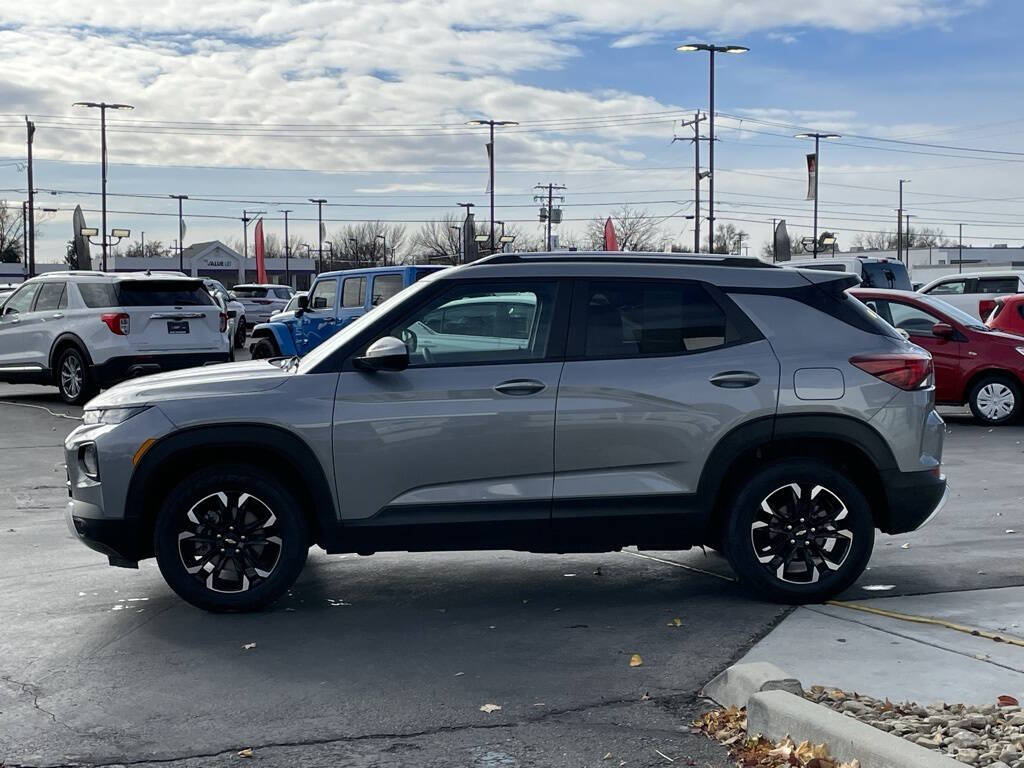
[[334, 300]]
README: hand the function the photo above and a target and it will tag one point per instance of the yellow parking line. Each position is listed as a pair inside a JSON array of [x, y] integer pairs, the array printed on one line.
[[1008, 639]]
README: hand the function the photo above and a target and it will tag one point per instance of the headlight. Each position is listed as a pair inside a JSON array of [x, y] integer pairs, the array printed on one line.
[[89, 460], [110, 415]]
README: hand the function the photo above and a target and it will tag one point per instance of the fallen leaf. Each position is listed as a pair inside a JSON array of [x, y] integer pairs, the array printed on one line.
[[1010, 530], [459, 674], [608, 756], [905, 546], [676, 622], [1007, 701], [247, 752], [664, 755], [636, 660], [248, 646], [646, 696], [488, 708]]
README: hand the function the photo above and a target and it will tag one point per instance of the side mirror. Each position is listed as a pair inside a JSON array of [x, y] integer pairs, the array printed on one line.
[[387, 354], [943, 331], [302, 303]]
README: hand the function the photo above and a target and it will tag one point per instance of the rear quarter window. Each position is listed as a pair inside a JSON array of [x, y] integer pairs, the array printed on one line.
[[97, 295], [161, 293]]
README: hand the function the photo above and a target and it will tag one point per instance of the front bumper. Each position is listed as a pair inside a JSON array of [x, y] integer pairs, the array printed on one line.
[[117, 539], [129, 366], [913, 498]]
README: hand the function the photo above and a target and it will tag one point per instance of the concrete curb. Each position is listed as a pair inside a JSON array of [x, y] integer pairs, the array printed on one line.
[[733, 686], [778, 714], [776, 708]]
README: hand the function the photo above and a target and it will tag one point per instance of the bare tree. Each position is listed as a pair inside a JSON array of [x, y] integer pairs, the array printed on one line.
[[439, 241], [728, 238], [12, 233], [368, 244], [153, 249], [635, 230]]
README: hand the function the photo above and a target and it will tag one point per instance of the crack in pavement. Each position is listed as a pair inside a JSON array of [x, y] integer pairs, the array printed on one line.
[[27, 689], [660, 701]]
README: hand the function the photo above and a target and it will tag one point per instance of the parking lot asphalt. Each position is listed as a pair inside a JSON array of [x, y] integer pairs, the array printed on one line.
[[389, 659]]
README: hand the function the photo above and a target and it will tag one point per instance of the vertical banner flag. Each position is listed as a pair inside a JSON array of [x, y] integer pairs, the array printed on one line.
[[261, 269], [781, 247], [323, 231], [812, 171], [490, 152], [184, 229], [611, 243]]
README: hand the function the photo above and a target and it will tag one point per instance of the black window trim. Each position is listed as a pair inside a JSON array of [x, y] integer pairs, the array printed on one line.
[[341, 360], [337, 294], [745, 329], [32, 305], [62, 297], [344, 282]]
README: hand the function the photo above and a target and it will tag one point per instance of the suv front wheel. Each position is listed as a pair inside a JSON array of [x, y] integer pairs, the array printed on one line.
[[264, 348], [799, 532], [230, 538]]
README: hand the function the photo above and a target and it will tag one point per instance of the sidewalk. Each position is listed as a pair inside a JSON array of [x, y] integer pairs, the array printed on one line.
[[838, 646]]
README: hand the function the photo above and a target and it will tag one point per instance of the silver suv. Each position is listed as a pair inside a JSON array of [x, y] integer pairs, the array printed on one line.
[[541, 402]]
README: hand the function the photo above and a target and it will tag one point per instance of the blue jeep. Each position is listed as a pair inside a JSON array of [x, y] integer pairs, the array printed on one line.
[[334, 300]]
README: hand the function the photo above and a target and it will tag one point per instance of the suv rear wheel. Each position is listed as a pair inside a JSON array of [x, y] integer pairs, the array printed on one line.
[[239, 340], [799, 532], [995, 399], [73, 378], [230, 538]]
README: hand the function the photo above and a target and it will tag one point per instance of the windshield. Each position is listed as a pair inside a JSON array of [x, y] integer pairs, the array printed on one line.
[[885, 274], [250, 293], [325, 350], [969, 321]]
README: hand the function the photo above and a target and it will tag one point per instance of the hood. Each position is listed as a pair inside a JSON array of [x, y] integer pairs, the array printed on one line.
[[207, 381]]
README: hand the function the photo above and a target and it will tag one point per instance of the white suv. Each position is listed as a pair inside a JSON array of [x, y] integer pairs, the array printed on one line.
[[84, 330]]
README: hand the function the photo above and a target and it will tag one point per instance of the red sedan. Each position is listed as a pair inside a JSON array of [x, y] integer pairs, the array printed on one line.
[[1007, 314], [974, 364]]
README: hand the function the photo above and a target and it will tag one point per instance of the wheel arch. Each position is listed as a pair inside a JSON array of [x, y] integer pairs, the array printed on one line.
[[981, 373], [270, 449], [279, 333], [846, 443], [64, 340]]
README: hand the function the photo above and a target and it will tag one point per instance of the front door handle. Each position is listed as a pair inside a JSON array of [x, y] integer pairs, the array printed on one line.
[[735, 379], [56, 315], [520, 387]]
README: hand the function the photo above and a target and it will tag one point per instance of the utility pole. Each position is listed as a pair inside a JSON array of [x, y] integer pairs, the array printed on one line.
[[775, 256], [551, 188], [960, 251], [899, 224], [319, 230], [906, 217], [181, 233], [287, 249], [30, 255], [142, 243], [102, 106], [697, 173], [24, 237], [458, 255]]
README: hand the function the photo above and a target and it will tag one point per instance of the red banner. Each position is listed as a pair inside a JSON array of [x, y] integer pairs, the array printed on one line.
[[611, 243], [261, 268]]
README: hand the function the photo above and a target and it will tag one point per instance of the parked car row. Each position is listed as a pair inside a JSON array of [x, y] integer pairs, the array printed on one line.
[[552, 402]]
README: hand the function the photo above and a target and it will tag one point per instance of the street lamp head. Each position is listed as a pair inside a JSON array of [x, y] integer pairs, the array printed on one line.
[[120, 106], [507, 239], [122, 233], [179, 197], [735, 49], [482, 238], [317, 200], [688, 47], [88, 231], [491, 122], [812, 135]]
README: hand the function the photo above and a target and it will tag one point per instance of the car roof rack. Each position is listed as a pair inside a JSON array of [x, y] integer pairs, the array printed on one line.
[[630, 257]]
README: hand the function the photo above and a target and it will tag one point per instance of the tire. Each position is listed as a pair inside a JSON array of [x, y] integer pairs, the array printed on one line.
[[73, 378], [239, 340], [784, 571], [264, 348], [205, 510], [995, 399]]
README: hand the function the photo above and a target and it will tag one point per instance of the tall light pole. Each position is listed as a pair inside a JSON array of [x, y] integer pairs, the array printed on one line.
[[960, 252], [319, 230], [103, 106], [181, 234], [382, 237], [458, 230], [899, 223], [906, 218], [817, 174], [247, 216], [287, 248], [712, 50], [490, 157]]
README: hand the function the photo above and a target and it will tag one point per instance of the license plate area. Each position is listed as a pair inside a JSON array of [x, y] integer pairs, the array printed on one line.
[[177, 326]]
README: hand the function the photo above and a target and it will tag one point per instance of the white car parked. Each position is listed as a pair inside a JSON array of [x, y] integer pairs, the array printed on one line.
[[262, 300], [234, 308], [966, 291], [84, 330]]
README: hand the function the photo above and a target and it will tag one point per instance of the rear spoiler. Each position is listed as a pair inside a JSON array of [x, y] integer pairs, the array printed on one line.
[[829, 281]]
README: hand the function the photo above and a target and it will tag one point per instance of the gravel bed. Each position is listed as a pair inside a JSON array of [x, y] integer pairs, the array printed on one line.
[[990, 735]]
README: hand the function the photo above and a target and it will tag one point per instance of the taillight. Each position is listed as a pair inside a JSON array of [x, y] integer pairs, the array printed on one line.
[[906, 370], [118, 322], [223, 322]]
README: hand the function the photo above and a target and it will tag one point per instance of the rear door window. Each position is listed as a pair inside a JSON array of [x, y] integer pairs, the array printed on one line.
[[636, 319], [162, 293], [949, 287], [885, 274], [52, 296], [997, 285], [250, 293], [911, 319], [386, 286], [353, 292]]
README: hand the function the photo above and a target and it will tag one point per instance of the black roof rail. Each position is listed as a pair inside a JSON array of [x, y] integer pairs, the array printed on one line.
[[629, 257]]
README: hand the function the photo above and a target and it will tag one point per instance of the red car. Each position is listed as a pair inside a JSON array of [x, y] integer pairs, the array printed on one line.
[[974, 364], [1007, 314]]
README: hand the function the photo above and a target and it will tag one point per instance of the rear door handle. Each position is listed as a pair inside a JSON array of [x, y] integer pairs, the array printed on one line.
[[735, 379], [520, 387]]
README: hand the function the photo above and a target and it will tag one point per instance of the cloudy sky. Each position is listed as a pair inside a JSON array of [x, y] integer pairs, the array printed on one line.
[[265, 103]]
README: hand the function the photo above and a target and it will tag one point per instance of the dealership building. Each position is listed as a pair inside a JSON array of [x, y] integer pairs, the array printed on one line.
[[210, 259]]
